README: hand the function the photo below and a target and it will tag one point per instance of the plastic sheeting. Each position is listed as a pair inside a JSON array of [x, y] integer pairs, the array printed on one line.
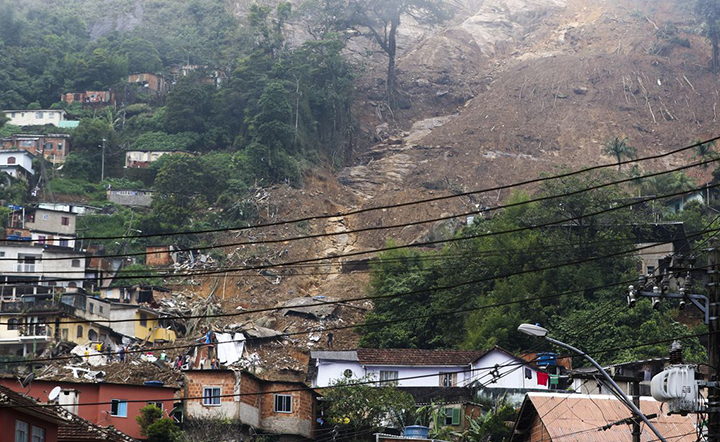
[[230, 348]]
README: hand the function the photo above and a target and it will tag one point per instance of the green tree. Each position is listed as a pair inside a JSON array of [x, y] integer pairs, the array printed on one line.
[[155, 427], [709, 10], [142, 55], [189, 106], [704, 152], [362, 406], [620, 149]]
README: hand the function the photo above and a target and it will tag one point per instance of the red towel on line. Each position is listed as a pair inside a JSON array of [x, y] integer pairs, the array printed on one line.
[[542, 378]]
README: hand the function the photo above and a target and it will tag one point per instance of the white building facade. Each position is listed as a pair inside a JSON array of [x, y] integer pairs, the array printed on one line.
[[38, 117]]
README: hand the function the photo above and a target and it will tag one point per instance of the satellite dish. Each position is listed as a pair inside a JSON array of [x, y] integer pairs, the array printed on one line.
[[28, 379], [54, 394]]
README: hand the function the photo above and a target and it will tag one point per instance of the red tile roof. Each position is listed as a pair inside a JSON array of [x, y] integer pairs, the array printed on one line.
[[410, 357], [27, 405], [77, 429]]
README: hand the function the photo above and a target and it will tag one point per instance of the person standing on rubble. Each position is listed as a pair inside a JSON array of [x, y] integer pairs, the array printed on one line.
[[122, 353]]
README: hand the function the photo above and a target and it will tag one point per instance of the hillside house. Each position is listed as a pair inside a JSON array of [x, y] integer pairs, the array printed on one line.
[[550, 417], [43, 225], [42, 265], [53, 147], [21, 417], [493, 372], [132, 198], [111, 403], [77, 209], [39, 117], [280, 408], [17, 163], [150, 82], [89, 98], [141, 159], [143, 323]]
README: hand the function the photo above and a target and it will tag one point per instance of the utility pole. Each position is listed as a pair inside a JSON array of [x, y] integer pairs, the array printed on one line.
[[635, 384], [102, 170], [713, 403]]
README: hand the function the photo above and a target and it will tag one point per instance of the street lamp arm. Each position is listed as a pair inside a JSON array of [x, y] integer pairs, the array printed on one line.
[[622, 394]]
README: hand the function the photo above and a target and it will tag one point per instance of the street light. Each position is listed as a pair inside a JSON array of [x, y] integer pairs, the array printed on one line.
[[540, 332]]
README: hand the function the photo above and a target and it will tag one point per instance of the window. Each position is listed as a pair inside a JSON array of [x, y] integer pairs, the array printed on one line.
[[21, 431], [283, 403], [156, 404], [388, 377], [79, 331], [143, 319], [75, 262], [452, 416], [13, 324], [38, 114], [38, 434], [64, 333], [65, 243], [118, 408], [100, 308], [41, 239], [2, 254], [59, 146], [211, 396], [448, 379], [650, 270], [11, 160], [92, 307], [46, 217], [65, 221], [92, 335]]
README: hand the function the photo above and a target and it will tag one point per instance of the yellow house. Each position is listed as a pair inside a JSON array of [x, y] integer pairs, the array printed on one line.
[[149, 326]]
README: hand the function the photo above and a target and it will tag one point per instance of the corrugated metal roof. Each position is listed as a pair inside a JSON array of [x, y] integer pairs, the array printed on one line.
[[575, 417]]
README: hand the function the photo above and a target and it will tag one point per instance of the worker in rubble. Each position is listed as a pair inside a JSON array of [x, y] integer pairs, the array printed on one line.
[[122, 353]]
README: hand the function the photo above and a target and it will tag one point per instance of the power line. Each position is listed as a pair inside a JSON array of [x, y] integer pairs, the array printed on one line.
[[395, 226], [644, 344], [378, 297], [391, 248], [423, 201]]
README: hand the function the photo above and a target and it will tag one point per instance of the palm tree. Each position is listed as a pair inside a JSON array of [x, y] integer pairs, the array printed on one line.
[[619, 149], [705, 152]]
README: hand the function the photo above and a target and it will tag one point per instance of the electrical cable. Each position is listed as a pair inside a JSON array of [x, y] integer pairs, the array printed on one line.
[[376, 297], [396, 226], [366, 382], [423, 201], [390, 248]]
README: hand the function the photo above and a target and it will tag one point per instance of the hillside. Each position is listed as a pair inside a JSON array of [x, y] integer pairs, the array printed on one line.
[[503, 91]]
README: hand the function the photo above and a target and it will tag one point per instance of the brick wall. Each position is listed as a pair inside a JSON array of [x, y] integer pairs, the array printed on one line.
[[299, 421], [538, 432]]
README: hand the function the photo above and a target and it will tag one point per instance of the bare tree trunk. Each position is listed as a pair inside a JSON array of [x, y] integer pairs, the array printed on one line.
[[392, 52], [715, 62]]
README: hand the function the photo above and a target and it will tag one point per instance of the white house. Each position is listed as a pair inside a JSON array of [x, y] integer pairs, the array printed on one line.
[[17, 163], [495, 368], [38, 117], [44, 265], [140, 159]]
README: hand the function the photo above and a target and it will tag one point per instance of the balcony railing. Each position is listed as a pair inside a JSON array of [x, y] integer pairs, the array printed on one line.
[[26, 307], [26, 268]]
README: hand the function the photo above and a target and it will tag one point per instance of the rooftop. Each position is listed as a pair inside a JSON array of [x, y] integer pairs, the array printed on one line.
[[583, 416], [413, 357]]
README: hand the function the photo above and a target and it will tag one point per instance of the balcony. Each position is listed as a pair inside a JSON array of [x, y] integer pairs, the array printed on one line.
[[25, 268], [29, 307]]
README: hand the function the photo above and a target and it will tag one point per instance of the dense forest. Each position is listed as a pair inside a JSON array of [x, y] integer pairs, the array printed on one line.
[[278, 109]]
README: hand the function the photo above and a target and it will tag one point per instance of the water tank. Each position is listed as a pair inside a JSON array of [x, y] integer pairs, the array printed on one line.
[[418, 431], [546, 359]]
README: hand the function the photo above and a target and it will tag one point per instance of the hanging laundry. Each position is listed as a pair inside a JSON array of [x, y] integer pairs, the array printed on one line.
[[542, 378], [528, 373]]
